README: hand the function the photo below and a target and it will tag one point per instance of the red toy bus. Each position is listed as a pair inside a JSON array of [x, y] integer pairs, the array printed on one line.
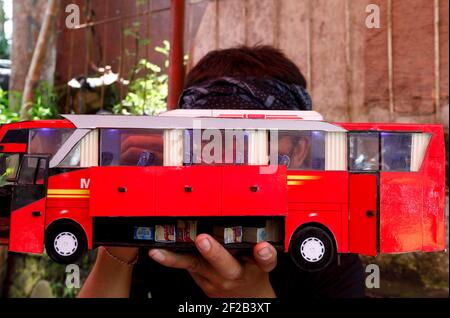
[[312, 188]]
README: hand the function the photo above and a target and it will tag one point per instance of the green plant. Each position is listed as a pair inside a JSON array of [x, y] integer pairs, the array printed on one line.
[[147, 93], [45, 102], [6, 115], [44, 105]]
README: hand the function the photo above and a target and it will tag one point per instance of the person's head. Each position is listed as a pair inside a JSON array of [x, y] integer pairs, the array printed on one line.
[[259, 77], [243, 62]]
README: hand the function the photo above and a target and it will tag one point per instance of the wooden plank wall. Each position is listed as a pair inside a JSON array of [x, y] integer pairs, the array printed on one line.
[[108, 45], [398, 72]]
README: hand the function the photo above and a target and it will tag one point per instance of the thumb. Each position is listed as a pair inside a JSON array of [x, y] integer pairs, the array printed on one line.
[[265, 256]]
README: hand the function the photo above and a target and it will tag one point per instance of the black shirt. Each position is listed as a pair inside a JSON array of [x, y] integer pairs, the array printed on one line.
[[341, 279]]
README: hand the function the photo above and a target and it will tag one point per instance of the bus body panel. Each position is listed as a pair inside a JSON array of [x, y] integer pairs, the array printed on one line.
[[317, 186], [401, 200], [122, 191], [247, 191], [14, 148], [319, 197], [363, 214], [433, 225], [189, 191], [27, 230]]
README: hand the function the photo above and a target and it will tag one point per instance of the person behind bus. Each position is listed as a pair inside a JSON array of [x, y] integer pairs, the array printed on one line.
[[239, 78]]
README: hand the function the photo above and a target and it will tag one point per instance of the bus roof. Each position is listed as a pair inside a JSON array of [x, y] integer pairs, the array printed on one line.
[[249, 114], [175, 122]]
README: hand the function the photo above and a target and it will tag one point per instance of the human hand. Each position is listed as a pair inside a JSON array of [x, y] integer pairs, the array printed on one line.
[[219, 274], [125, 254], [133, 146]]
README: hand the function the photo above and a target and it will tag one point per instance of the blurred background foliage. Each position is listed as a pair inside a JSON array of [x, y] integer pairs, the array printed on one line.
[[38, 276], [147, 92]]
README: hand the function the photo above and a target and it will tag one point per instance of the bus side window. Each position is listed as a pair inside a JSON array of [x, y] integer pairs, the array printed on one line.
[[403, 151], [364, 152], [84, 154], [212, 147], [131, 147], [395, 151], [300, 150]]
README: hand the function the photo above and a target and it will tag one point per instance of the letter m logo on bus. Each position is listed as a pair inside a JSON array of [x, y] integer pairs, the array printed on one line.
[[84, 183]]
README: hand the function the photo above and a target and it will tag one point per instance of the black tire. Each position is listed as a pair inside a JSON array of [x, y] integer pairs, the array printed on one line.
[[75, 242], [318, 242]]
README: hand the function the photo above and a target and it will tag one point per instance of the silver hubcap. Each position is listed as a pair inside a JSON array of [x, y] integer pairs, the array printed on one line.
[[65, 244], [312, 249]]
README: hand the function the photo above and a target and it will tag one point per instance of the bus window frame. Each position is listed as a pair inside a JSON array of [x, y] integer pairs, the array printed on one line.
[[323, 133], [100, 141], [379, 132], [30, 135]]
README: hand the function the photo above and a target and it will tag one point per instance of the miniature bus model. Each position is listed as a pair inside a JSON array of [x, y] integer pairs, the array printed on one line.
[[314, 189]]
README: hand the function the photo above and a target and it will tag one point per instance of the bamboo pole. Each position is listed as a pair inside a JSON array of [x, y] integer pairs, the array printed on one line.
[[34, 72]]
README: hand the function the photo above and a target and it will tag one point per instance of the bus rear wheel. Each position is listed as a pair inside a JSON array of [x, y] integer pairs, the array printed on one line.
[[65, 242], [312, 249]]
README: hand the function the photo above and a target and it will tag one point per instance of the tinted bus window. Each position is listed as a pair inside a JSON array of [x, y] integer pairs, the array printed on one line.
[[27, 174], [364, 152], [131, 147], [18, 136], [9, 164], [48, 140], [301, 150], [213, 146], [396, 151]]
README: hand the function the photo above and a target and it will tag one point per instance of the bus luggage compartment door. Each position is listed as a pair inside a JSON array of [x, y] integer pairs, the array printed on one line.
[[188, 191], [363, 214], [122, 191], [249, 191]]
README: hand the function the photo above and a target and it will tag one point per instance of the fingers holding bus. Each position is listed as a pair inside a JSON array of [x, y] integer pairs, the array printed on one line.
[[219, 273], [142, 150]]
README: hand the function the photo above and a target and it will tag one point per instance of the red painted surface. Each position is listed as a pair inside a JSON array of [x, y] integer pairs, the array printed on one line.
[[203, 200], [401, 208], [325, 187], [69, 206], [34, 124], [27, 231], [137, 198], [270, 197], [319, 197], [433, 220], [363, 227], [13, 148], [187, 191]]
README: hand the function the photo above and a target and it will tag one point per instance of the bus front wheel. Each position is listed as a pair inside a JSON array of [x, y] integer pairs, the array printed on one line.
[[312, 249], [65, 242]]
